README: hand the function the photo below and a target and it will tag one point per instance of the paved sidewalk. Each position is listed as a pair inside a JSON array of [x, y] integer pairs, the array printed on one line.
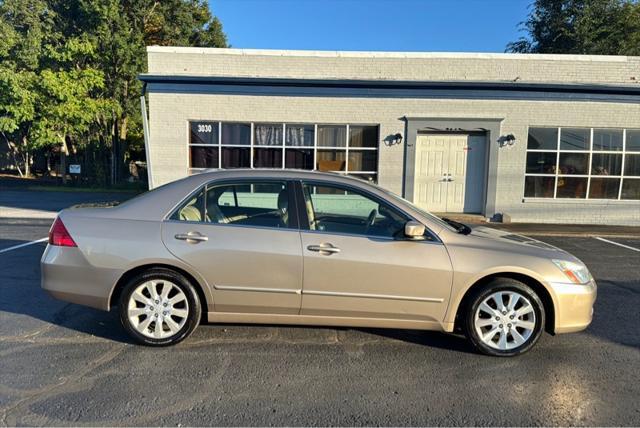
[[45, 204], [10, 212]]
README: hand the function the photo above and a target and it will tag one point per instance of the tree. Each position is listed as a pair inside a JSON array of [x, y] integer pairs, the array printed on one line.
[[597, 27], [71, 103], [68, 69], [123, 29], [24, 28]]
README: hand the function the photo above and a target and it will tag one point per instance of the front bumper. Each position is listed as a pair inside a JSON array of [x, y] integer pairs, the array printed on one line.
[[573, 305]]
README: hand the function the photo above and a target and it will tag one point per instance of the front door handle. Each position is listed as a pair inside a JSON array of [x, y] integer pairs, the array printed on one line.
[[192, 237], [326, 249]]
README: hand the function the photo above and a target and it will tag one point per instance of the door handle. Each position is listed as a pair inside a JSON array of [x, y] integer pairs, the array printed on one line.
[[324, 248], [192, 236]]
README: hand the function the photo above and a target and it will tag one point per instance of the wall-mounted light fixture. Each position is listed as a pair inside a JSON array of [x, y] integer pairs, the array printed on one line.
[[393, 139], [506, 140]]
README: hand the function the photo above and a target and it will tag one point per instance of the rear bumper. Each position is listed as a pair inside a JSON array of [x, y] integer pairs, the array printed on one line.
[[67, 275], [574, 306]]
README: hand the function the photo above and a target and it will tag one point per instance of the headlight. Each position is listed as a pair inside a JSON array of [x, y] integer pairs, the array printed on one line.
[[576, 272]]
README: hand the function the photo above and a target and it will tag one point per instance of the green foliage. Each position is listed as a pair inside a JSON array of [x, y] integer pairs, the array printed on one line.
[[68, 70], [597, 27], [17, 99]]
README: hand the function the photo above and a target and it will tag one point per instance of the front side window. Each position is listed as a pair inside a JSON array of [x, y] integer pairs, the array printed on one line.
[[335, 209], [582, 163], [263, 204]]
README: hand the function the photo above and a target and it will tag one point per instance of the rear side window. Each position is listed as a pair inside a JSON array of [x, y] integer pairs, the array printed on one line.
[[192, 209], [262, 204]]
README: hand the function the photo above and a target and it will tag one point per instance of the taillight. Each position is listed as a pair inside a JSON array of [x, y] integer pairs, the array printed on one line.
[[59, 235]]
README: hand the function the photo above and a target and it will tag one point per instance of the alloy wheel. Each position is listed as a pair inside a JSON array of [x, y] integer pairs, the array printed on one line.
[[505, 320], [158, 309]]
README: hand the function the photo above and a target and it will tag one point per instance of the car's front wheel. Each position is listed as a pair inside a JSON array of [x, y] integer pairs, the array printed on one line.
[[159, 307], [505, 318]]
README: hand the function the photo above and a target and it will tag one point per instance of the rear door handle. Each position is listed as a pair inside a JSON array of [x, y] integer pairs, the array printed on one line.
[[324, 248], [194, 237]]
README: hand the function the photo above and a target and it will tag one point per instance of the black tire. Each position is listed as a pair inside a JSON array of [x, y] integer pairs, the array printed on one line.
[[194, 306], [496, 285]]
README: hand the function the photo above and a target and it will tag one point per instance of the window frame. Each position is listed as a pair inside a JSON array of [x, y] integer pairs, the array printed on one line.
[[430, 236], [557, 175], [283, 147], [294, 220]]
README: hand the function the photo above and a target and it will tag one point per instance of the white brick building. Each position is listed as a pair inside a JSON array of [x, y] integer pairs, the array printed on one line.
[[542, 138]]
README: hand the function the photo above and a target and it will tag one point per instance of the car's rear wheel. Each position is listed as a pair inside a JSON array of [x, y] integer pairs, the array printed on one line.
[[159, 307], [505, 318]]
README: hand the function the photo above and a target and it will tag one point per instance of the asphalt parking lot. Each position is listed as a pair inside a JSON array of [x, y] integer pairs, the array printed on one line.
[[62, 364]]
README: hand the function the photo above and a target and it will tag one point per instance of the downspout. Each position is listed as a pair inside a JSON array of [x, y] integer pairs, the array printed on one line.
[[145, 131]]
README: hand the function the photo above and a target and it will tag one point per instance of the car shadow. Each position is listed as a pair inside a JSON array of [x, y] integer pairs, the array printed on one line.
[[432, 339]]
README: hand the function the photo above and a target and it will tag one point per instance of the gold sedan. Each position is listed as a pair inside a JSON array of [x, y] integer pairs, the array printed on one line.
[[295, 247]]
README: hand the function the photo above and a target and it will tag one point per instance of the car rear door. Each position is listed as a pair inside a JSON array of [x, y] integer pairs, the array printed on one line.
[[356, 263], [243, 239]]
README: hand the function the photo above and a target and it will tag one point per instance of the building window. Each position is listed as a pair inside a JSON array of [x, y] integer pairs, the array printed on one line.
[[582, 163], [351, 149]]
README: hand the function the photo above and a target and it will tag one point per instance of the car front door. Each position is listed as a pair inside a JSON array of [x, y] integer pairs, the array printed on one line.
[[357, 263], [241, 238]]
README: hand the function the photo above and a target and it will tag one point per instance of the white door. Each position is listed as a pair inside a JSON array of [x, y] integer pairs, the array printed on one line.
[[432, 163], [449, 172]]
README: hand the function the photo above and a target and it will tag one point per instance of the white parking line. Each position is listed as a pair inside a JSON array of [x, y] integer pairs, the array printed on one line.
[[618, 244], [26, 244]]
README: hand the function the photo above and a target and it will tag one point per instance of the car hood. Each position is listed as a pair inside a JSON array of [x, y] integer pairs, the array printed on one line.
[[514, 243]]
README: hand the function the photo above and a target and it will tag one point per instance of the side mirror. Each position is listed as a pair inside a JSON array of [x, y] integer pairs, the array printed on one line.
[[414, 230]]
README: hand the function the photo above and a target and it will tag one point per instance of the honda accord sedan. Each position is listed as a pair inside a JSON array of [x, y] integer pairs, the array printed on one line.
[[296, 247]]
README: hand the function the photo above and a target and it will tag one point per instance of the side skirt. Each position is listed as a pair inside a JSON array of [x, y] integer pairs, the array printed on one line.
[[244, 318]]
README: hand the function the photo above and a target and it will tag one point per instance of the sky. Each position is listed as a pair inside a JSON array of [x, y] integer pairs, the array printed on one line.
[[372, 25]]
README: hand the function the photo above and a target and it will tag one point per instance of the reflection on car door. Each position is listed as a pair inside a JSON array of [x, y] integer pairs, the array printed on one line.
[[355, 265], [242, 240]]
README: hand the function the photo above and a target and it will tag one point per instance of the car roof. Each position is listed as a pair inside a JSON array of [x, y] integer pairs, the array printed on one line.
[[203, 177]]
